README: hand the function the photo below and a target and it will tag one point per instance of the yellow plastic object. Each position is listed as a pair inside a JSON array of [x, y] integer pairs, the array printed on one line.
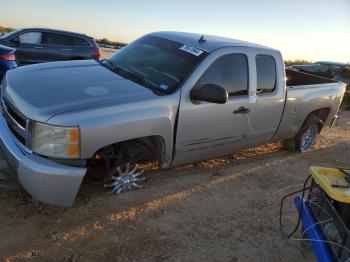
[[326, 177]]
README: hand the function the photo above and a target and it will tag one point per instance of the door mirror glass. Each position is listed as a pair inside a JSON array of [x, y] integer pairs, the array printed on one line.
[[15, 40], [210, 93]]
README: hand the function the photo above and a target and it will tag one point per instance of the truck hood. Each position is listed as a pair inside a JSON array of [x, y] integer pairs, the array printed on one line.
[[42, 91]]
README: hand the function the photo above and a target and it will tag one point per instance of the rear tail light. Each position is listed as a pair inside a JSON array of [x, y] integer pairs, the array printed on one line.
[[8, 57], [98, 53]]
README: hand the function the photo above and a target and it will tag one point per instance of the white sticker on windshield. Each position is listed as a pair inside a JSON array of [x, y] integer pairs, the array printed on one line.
[[192, 50]]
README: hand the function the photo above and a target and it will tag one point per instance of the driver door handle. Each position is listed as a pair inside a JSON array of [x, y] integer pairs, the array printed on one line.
[[242, 110]]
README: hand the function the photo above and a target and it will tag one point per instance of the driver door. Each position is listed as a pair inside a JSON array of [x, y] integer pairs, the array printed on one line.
[[206, 130]]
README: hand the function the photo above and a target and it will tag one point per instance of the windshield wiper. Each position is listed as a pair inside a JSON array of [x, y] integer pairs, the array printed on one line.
[[123, 71], [117, 69], [109, 62], [132, 76]]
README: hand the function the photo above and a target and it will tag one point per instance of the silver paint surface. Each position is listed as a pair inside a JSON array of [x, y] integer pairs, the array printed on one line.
[[109, 109]]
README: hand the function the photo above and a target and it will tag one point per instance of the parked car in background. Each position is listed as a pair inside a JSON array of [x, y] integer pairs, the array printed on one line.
[[170, 97], [7, 60], [37, 45], [333, 70]]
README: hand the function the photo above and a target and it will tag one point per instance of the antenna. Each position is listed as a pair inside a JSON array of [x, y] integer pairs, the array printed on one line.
[[201, 39]]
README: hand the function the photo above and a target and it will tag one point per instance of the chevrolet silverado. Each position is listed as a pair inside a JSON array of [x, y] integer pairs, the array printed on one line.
[[170, 97]]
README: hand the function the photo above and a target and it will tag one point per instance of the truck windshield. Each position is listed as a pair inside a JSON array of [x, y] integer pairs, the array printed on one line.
[[156, 63]]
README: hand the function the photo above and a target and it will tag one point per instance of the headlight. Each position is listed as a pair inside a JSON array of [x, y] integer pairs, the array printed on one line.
[[56, 141]]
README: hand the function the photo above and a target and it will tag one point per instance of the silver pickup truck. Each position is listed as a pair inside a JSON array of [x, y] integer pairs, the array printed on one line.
[[169, 97]]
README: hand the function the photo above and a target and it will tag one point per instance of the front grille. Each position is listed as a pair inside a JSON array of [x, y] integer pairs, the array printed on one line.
[[20, 119], [16, 122], [16, 134]]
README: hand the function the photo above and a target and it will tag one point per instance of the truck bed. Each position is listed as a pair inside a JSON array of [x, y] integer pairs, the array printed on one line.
[[305, 94], [295, 78]]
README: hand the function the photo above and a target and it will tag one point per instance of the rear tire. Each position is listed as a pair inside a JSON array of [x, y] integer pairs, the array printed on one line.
[[306, 136]]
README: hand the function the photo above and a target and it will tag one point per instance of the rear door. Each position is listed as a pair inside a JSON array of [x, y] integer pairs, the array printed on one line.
[[29, 48], [270, 97], [57, 46], [82, 49], [207, 130]]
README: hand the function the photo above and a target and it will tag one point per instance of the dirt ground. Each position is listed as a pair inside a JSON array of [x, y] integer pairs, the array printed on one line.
[[219, 210]]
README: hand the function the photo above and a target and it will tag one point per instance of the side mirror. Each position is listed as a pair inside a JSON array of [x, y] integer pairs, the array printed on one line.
[[15, 40], [209, 93]]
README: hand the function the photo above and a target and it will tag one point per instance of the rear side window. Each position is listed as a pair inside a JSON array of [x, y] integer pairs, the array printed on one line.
[[30, 38], [229, 71], [78, 41], [266, 74], [58, 39]]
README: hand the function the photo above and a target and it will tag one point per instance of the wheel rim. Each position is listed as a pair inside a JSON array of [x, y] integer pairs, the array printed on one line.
[[308, 138], [124, 180]]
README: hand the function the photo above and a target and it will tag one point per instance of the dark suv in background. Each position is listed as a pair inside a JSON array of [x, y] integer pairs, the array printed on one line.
[[37, 45]]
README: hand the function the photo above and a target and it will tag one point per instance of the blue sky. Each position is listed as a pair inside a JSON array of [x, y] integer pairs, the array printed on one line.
[[301, 29]]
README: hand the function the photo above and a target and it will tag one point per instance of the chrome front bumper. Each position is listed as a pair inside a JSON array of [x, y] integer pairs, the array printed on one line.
[[43, 179]]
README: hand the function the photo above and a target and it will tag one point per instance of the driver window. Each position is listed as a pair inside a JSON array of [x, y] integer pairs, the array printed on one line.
[[229, 71], [30, 38]]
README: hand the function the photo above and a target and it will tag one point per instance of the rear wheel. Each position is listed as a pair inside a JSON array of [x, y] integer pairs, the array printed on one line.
[[306, 136]]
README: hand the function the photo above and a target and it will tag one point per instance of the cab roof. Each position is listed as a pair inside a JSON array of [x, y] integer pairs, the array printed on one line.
[[211, 42]]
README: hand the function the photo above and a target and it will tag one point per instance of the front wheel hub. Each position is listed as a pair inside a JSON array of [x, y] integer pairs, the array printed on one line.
[[126, 180]]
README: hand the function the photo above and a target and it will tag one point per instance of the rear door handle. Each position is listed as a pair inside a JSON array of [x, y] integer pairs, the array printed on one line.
[[67, 49], [242, 110], [38, 47]]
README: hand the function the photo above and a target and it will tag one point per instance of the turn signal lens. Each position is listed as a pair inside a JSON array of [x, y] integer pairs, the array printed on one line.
[[73, 150], [74, 135], [56, 141]]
